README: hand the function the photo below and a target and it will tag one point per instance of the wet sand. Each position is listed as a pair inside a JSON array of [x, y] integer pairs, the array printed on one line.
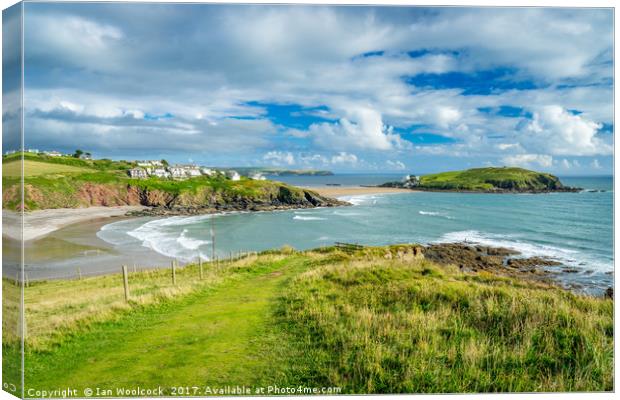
[[42, 222], [339, 191], [75, 250]]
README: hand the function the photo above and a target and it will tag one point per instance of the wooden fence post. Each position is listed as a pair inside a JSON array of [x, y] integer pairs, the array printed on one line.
[[174, 272], [200, 266], [126, 283]]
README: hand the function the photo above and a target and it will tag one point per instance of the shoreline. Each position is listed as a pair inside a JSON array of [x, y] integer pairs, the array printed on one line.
[[40, 223]]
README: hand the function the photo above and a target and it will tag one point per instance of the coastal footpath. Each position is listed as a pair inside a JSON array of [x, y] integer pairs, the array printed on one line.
[[394, 319]]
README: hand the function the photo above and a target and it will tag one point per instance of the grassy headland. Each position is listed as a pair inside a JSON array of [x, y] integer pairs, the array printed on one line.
[[491, 179], [66, 182], [375, 320]]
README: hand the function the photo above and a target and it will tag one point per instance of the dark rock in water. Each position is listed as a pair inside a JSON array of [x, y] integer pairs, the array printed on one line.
[[472, 258], [531, 262], [609, 293], [570, 270], [468, 257]]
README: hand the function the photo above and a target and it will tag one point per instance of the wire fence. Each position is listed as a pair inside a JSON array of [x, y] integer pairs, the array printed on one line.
[[28, 277]]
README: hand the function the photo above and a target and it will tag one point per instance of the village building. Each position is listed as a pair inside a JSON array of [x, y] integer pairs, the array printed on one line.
[[193, 171], [258, 177], [138, 173], [160, 173], [233, 175], [53, 153], [177, 172], [207, 171]]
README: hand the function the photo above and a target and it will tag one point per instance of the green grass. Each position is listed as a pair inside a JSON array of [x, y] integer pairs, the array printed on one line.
[[377, 321], [485, 179], [65, 182], [35, 168]]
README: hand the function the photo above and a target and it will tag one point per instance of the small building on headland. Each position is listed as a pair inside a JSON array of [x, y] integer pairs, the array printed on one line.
[[411, 181]]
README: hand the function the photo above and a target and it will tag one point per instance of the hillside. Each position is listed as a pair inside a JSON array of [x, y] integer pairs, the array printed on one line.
[[372, 320], [64, 182], [491, 179], [282, 172]]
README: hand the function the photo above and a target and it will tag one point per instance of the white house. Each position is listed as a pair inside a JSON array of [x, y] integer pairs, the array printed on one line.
[[160, 173], [207, 171], [177, 172], [258, 177], [233, 175], [53, 153], [193, 171], [138, 173]]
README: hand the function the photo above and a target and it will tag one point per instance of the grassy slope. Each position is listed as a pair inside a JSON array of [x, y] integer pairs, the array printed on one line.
[[489, 178], [35, 168], [64, 182], [365, 322]]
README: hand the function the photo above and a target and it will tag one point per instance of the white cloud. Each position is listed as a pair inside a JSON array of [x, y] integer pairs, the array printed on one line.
[[363, 129], [344, 158], [230, 56], [397, 165], [529, 160], [562, 133], [279, 158], [595, 164]]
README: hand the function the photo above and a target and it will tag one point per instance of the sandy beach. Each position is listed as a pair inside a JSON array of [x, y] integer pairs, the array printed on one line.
[[339, 191], [42, 222]]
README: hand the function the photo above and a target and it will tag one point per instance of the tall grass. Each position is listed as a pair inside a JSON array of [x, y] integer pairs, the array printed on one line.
[[394, 326], [380, 320]]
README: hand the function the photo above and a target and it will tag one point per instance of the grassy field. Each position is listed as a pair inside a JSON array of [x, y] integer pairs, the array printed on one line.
[[66, 182], [484, 179], [376, 321], [36, 168]]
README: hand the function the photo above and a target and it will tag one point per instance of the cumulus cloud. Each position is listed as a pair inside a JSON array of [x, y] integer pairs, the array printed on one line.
[[397, 165], [364, 129], [529, 160], [344, 158], [561, 133], [212, 66], [279, 158]]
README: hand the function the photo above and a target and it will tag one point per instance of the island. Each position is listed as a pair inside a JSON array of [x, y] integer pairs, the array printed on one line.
[[485, 180]]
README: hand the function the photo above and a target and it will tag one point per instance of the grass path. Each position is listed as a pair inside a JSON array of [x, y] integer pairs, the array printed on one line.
[[216, 337]]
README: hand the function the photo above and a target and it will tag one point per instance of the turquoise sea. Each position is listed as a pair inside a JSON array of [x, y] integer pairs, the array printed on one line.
[[575, 228]]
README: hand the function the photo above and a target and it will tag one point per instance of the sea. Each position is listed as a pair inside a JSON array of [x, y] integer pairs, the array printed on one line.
[[573, 228]]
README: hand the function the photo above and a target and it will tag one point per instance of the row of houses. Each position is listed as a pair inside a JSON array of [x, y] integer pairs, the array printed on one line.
[[157, 169], [50, 153]]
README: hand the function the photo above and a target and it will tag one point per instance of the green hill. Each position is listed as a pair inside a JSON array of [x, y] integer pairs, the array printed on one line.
[[493, 179], [66, 182]]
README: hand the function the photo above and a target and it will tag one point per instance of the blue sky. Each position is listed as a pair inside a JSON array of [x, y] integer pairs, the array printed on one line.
[[366, 89]]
